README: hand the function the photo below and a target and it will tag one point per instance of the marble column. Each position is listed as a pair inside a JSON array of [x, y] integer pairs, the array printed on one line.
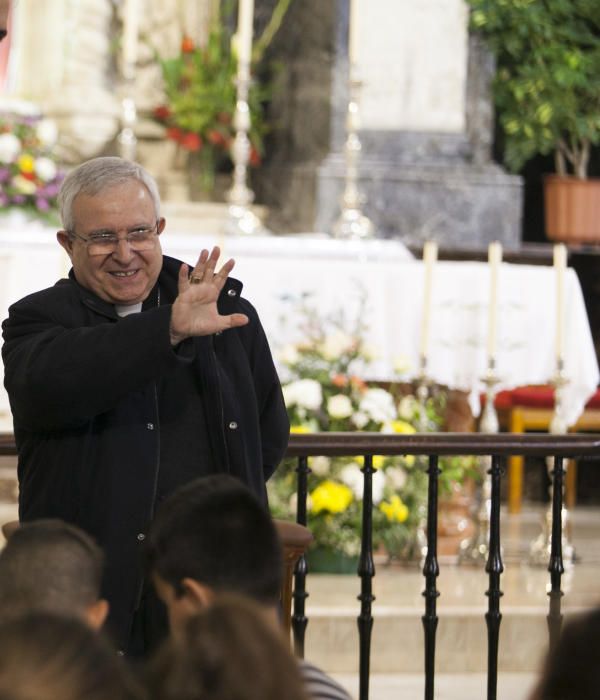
[[427, 121]]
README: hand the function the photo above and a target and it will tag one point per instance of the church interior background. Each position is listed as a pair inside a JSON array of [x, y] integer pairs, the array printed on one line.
[[370, 199]]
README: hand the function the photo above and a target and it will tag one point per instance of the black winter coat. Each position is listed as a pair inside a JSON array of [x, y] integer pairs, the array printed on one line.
[[83, 391]]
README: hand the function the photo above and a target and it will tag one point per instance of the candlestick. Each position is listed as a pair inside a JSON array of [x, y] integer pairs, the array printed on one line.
[[244, 30], [494, 260], [560, 265], [353, 31], [130, 32], [430, 250]]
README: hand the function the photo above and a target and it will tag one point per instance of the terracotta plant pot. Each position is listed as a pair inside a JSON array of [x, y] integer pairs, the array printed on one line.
[[572, 209]]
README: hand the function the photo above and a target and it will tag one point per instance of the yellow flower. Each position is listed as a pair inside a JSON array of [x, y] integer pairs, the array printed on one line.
[[299, 429], [330, 496], [402, 427], [26, 163], [394, 509], [409, 460], [378, 461]]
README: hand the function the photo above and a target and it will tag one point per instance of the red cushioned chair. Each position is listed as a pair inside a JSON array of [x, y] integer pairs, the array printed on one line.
[[531, 408]]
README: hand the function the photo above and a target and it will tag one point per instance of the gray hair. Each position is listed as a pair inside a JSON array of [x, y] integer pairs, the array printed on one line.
[[97, 175]]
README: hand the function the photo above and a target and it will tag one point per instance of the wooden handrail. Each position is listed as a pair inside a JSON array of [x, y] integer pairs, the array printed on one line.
[[501, 444], [341, 444]]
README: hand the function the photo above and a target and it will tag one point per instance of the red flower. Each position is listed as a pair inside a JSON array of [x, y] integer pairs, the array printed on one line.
[[254, 157], [339, 380], [162, 112], [175, 134], [216, 138], [187, 44], [191, 141]]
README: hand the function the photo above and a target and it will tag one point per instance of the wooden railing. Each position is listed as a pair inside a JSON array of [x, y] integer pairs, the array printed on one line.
[[434, 445]]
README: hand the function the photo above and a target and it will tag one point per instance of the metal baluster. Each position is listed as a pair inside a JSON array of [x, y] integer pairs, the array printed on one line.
[[555, 565], [299, 619], [431, 572], [494, 568], [366, 571]]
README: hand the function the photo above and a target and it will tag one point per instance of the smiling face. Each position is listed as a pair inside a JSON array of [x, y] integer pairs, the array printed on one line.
[[124, 276]]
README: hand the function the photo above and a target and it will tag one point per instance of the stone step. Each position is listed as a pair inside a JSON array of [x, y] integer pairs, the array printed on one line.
[[397, 641], [472, 686]]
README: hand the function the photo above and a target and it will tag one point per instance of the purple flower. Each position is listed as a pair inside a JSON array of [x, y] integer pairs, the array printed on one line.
[[51, 190], [4, 200], [19, 199], [4, 174], [42, 204]]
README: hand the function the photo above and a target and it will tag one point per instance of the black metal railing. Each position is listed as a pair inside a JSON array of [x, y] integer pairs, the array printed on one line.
[[433, 445]]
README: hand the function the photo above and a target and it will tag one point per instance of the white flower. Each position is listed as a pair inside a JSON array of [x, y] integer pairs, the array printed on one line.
[[396, 477], [407, 407], [360, 419], [402, 364], [336, 344], [23, 185], [352, 476], [45, 169], [339, 406], [289, 355], [378, 404], [369, 352], [305, 393], [10, 147], [46, 132], [320, 465]]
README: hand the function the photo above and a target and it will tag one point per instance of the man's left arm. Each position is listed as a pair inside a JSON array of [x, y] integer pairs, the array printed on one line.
[[274, 421]]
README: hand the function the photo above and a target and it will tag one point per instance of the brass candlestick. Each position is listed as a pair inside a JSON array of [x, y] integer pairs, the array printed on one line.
[[476, 549], [539, 553], [127, 138], [242, 220], [352, 223]]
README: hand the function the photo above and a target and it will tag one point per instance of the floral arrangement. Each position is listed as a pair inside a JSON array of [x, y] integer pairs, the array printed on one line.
[[29, 175], [325, 392], [201, 95]]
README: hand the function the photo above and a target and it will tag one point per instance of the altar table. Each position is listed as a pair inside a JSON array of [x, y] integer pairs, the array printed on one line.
[[278, 271]]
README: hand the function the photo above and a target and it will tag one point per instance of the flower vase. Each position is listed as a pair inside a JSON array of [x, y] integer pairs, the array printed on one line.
[[455, 521], [326, 560], [207, 182]]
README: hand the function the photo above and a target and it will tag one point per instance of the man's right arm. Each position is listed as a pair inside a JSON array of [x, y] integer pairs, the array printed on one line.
[[58, 376]]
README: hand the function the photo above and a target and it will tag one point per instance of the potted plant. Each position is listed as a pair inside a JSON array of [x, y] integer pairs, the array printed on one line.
[[547, 93], [324, 391], [200, 96]]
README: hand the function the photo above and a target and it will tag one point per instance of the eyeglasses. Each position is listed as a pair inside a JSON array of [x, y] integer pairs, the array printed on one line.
[[106, 242]]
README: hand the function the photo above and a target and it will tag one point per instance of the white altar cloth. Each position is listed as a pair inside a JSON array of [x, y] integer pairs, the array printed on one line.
[[334, 274]]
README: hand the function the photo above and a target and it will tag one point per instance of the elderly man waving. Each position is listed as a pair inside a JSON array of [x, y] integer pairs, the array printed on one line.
[[132, 377]]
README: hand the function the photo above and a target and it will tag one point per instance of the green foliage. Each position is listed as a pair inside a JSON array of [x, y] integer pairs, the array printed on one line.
[[547, 85], [201, 94]]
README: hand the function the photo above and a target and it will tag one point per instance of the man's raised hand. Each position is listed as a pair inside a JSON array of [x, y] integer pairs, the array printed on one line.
[[195, 310]]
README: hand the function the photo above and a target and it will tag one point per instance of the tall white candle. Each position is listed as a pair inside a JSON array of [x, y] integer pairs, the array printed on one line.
[[494, 261], [353, 32], [430, 251], [131, 21], [560, 266], [244, 30]]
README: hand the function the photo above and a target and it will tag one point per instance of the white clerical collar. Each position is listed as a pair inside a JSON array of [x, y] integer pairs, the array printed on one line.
[[126, 309]]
